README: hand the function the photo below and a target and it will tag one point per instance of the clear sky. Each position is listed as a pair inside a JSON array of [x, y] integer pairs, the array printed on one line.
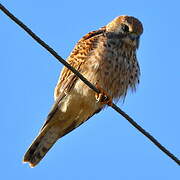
[[107, 146]]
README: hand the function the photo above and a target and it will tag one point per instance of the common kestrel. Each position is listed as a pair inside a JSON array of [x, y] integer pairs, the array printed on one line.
[[107, 58]]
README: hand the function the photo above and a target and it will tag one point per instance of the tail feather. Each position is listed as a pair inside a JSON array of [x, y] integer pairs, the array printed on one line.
[[57, 125], [41, 145]]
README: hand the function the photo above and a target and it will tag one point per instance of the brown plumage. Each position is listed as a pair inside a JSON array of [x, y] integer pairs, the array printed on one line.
[[107, 58]]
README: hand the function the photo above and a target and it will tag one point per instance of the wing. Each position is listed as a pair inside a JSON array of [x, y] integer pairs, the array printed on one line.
[[78, 56]]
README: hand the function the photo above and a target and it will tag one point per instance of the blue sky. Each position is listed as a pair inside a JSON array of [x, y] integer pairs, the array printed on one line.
[[107, 146]]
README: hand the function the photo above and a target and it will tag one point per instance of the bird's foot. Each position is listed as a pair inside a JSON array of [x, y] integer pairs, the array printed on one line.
[[103, 97]]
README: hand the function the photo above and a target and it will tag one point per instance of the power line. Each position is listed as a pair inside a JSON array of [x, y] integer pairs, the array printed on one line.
[[60, 59]]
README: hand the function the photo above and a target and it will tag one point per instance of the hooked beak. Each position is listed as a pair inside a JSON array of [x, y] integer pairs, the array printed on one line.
[[135, 38]]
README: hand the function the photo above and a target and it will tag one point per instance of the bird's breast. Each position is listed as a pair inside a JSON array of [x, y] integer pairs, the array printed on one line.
[[113, 67]]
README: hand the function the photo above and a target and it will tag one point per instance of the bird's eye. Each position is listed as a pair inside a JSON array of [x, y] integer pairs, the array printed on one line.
[[125, 28]]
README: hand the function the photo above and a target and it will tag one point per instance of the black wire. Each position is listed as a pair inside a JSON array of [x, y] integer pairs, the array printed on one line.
[[55, 54]]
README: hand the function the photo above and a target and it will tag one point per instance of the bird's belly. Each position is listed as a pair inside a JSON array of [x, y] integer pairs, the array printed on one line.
[[114, 78], [112, 73]]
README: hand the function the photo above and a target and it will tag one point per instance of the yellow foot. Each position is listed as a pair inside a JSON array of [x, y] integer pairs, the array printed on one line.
[[103, 97]]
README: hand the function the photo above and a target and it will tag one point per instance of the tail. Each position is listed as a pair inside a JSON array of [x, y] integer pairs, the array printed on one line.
[[58, 124], [41, 145]]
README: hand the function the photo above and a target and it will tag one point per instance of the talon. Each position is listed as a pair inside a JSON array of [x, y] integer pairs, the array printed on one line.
[[103, 97]]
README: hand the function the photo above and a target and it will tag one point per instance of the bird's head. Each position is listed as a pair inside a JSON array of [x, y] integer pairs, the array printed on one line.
[[128, 28]]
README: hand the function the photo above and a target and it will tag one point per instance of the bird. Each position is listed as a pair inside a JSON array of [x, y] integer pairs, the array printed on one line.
[[106, 58]]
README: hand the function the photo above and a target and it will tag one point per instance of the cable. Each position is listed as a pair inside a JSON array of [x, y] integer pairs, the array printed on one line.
[[60, 59]]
